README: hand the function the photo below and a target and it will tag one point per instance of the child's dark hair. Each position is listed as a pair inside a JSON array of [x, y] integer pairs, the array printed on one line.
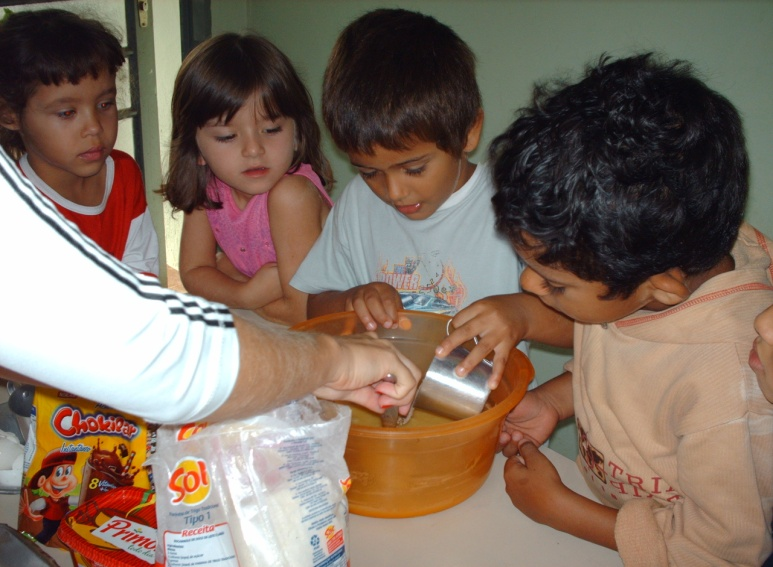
[[215, 81], [49, 47], [395, 78], [636, 169]]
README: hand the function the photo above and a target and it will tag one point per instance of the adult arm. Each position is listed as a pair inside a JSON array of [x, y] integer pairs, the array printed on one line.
[[78, 320], [279, 365]]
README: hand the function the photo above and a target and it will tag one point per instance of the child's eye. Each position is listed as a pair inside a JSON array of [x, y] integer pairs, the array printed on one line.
[[274, 130], [106, 105], [553, 289], [65, 113], [226, 138], [368, 174], [415, 171]]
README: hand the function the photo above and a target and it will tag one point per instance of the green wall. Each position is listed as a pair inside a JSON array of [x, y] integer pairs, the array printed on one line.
[[519, 42]]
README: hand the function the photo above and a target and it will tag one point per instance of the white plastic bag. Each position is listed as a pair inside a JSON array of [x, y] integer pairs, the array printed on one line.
[[268, 491]]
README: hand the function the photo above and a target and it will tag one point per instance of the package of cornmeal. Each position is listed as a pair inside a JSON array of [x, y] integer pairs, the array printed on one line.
[[76, 449]]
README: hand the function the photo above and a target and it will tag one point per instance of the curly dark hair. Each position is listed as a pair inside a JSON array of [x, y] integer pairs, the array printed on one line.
[[397, 77], [634, 170], [49, 47]]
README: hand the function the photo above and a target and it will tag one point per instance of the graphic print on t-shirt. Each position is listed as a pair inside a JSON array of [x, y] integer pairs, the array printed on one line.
[[425, 283]]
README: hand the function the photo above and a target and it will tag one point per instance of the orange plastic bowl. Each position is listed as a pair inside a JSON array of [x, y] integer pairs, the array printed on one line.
[[411, 471]]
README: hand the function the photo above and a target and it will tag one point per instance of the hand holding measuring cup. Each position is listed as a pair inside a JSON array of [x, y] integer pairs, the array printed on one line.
[[496, 325]]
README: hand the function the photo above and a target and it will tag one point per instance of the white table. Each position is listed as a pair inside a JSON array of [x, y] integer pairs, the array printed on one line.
[[484, 530]]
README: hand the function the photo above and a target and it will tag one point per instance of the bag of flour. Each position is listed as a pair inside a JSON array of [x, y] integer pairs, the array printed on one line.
[[267, 491]]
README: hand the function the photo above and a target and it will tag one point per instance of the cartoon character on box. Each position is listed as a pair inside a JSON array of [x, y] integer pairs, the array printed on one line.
[[57, 481]]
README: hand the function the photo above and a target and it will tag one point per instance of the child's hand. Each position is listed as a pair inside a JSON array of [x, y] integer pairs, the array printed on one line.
[[497, 327], [375, 304], [536, 489], [533, 484], [263, 288], [533, 420]]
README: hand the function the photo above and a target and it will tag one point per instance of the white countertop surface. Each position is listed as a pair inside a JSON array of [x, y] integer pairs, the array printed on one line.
[[485, 530]]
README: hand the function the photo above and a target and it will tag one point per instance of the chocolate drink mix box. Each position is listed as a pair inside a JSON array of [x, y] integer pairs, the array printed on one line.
[[76, 449]]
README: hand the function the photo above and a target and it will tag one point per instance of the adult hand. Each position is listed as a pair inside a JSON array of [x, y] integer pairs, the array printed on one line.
[[372, 373]]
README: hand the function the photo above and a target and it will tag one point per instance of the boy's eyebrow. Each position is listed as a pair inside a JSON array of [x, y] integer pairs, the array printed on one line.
[[66, 99], [560, 281], [399, 164]]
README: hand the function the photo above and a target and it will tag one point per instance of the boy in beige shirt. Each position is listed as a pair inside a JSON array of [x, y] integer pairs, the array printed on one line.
[[624, 194]]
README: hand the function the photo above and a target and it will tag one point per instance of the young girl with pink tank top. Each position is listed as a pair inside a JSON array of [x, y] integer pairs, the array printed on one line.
[[247, 170]]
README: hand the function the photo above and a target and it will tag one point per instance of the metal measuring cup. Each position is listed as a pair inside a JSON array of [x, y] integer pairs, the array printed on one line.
[[444, 393]]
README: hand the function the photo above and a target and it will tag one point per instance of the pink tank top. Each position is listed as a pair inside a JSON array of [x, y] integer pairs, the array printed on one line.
[[245, 235]]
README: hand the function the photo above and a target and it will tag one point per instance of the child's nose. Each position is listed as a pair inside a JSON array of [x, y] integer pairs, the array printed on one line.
[[763, 324], [91, 124], [252, 147], [395, 190], [531, 281]]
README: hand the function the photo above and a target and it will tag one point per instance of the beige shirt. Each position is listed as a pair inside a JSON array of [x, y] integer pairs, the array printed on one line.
[[673, 427]]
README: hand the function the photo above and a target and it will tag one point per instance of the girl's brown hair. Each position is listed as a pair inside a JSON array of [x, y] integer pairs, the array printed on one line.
[[215, 81]]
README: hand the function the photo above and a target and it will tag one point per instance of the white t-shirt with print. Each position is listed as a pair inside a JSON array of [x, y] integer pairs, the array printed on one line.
[[439, 264]]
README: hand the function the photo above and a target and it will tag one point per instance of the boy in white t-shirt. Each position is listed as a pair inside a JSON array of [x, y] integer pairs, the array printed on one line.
[[416, 229]]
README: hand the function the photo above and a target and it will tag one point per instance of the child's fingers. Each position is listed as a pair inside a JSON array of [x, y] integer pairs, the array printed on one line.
[[528, 450], [375, 309], [475, 357], [363, 314]]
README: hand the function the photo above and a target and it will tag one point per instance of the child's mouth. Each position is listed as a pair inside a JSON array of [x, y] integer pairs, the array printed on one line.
[[92, 154], [256, 171], [754, 358], [408, 209]]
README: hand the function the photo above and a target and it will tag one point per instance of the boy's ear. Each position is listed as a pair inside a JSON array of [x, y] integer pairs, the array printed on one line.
[[669, 287], [8, 118], [473, 134]]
